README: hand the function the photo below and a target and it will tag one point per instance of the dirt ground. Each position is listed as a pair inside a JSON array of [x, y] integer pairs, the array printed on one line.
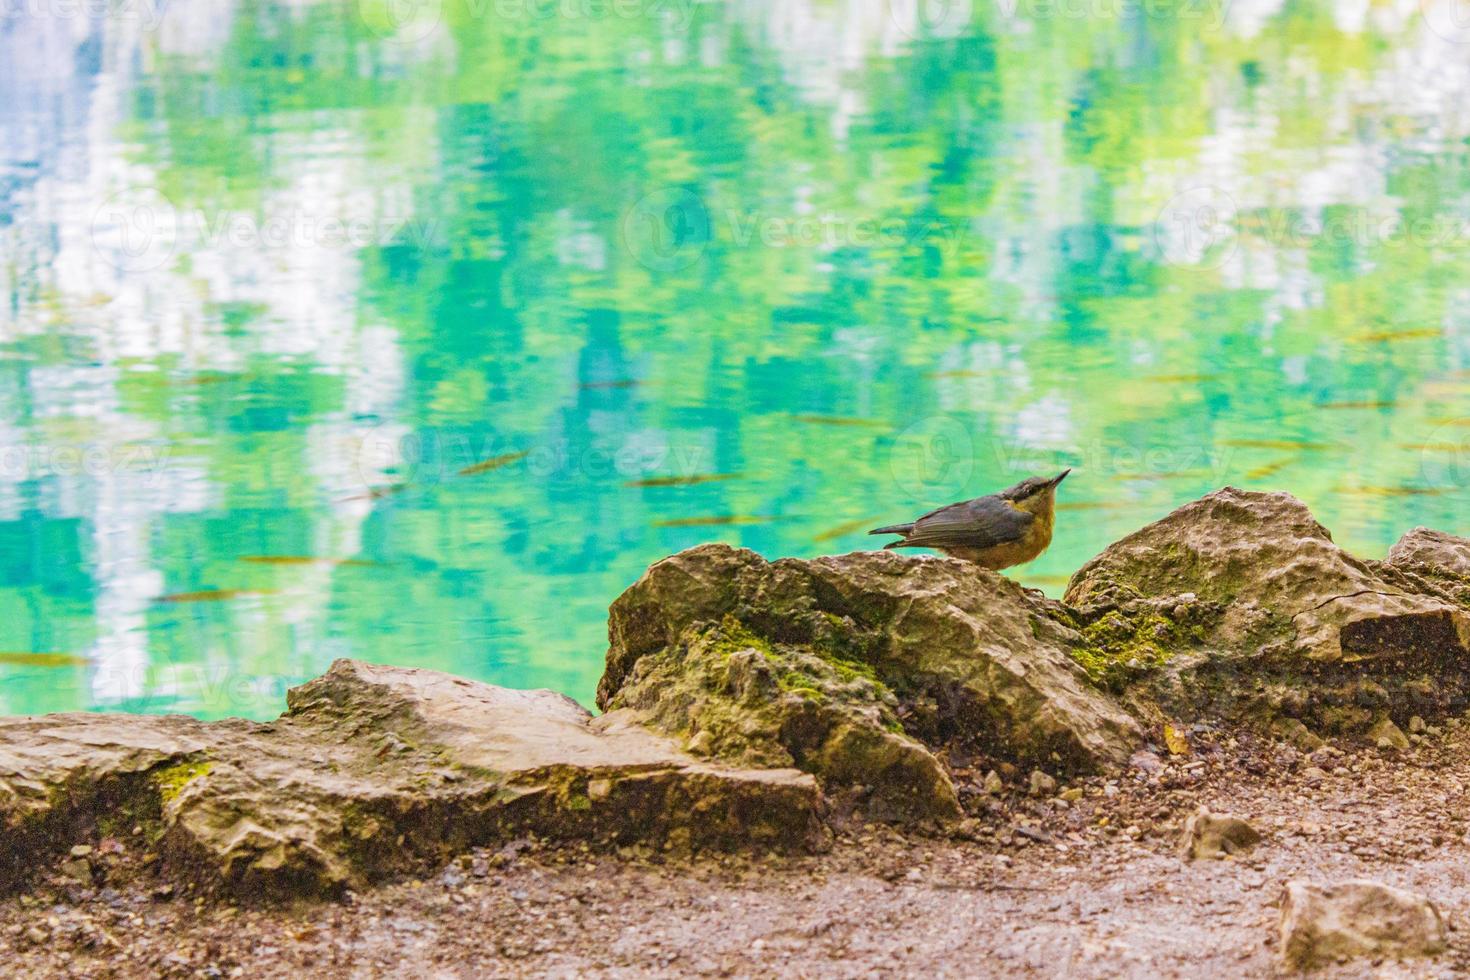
[[1033, 887]]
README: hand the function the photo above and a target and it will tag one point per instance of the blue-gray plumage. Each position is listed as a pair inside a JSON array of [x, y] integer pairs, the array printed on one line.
[[996, 531]]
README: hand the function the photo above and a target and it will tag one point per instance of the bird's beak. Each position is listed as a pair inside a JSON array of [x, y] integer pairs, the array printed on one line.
[[1060, 477]]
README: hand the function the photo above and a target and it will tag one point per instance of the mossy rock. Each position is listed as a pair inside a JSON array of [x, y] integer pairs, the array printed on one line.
[[739, 698]]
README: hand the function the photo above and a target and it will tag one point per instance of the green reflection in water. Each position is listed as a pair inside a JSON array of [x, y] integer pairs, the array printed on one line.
[[327, 334]]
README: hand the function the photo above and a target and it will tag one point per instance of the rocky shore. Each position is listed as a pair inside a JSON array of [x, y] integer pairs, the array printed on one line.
[[1232, 747]]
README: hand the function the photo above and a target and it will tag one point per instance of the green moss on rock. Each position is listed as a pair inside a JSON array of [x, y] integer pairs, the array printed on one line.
[[171, 780], [744, 699], [1118, 649]]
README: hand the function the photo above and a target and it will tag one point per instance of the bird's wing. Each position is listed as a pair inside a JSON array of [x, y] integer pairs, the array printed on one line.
[[981, 523]]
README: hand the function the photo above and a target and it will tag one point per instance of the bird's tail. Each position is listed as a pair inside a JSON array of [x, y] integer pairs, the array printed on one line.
[[893, 529]]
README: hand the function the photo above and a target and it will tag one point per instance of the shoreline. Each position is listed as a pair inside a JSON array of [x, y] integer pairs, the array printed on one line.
[[880, 902], [801, 733]]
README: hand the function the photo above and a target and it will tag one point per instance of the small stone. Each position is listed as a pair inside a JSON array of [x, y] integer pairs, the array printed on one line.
[[599, 789], [1208, 835], [1323, 924], [993, 784], [37, 935], [1296, 734], [1072, 794], [1313, 774], [701, 744], [78, 869], [1147, 761], [1042, 784], [1417, 726], [81, 850]]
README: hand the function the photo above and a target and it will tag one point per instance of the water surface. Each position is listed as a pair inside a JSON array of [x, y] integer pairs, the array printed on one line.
[[413, 332]]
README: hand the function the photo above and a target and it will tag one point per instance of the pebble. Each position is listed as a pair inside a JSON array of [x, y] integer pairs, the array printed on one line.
[[1042, 784], [1147, 761]]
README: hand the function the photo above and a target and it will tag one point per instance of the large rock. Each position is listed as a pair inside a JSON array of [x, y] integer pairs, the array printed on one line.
[[1321, 924], [1441, 559], [374, 771], [1277, 619], [849, 666]]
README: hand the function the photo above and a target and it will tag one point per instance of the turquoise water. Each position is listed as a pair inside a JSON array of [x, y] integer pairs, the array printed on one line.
[[413, 331]]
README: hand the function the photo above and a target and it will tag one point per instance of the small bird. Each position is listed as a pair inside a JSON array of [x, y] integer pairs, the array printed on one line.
[[1004, 529]]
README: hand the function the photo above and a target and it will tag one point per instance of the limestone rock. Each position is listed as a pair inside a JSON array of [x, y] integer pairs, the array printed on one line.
[[1435, 561], [1387, 735], [374, 771], [897, 652], [1280, 622], [750, 702], [1323, 923], [1211, 835], [1298, 735], [1432, 553]]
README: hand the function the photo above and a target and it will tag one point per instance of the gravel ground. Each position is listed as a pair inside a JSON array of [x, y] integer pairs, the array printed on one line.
[[1088, 886]]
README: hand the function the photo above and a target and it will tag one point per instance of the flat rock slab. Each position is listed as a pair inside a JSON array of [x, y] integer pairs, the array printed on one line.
[[374, 771], [1321, 924]]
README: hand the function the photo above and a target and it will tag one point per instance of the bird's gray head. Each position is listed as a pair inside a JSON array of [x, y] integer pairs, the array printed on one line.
[[1033, 485]]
